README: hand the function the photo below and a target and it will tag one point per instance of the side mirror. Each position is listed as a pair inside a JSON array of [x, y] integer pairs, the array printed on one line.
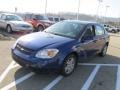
[[86, 38]]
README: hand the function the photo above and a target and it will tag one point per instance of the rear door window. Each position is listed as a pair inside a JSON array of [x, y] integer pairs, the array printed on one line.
[[99, 30]]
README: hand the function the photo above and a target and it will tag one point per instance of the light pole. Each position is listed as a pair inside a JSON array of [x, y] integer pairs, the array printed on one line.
[[100, 1], [78, 9], [16, 9], [45, 7], [106, 12]]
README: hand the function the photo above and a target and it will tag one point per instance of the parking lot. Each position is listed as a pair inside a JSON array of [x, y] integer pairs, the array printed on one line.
[[95, 73]]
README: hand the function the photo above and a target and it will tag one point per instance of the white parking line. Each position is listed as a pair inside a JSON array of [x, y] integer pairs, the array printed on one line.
[[6, 71], [94, 64], [59, 78], [118, 78], [18, 81], [53, 83], [90, 78]]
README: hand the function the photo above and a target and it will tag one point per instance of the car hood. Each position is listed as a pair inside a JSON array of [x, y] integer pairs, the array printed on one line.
[[41, 40], [20, 22]]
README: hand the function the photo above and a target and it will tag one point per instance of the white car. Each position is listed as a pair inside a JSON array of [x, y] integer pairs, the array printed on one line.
[[12, 22], [107, 27], [113, 29], [56, 19]]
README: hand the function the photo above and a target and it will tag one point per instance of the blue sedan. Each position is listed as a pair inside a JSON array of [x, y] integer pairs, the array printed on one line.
[[61, 46]]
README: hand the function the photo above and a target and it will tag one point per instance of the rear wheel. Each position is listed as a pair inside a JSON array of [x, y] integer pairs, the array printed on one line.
[[40, 28], [69, 65], [9, 29]]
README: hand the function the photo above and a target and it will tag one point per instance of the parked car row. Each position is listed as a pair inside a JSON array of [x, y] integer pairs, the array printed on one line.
[[56, 19], [12, 22], [112, 29], [39, 21], [26, 22]]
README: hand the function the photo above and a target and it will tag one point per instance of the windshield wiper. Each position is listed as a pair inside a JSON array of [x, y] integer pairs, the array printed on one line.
[[58, 34]]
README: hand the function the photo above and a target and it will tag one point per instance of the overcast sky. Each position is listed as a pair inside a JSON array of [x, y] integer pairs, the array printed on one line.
[[55, 6]]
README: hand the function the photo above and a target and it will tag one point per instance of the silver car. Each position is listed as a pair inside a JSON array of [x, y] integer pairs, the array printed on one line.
[[12, 22]]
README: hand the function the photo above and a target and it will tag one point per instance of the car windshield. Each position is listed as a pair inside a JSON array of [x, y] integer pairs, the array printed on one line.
[[13, 18], [41, 17], [67, 29]]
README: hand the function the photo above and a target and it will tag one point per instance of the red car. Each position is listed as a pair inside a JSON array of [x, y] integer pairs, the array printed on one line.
[[39, 22]]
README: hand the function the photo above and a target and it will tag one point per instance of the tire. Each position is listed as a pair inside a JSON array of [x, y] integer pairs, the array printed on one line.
[[69, 65], [113, 31], [40, 28], [104, 51], [9, 29]]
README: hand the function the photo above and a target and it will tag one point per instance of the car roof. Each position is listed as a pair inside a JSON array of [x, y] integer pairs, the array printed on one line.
[[82, 22], [34, 14], [8, 13]]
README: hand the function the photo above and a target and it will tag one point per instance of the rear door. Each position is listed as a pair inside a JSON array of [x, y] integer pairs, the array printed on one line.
[[100, 37]]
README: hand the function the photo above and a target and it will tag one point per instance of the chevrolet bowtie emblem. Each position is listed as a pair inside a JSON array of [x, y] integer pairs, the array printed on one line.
[[21, 49]]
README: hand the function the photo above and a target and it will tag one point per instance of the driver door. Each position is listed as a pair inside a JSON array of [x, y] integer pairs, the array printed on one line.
[[88, 44]]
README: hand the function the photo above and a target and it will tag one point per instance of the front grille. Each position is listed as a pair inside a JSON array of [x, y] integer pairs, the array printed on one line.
[[24, 49]]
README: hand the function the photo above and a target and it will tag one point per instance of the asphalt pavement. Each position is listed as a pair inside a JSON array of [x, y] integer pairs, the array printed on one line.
[[95, 73]]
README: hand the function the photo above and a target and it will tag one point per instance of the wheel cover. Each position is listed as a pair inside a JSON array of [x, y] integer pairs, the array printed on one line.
[[8, 29], [69, 66]]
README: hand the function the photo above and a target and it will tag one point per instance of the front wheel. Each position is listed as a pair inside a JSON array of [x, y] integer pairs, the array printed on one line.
[[113, 31], [9, 29], [40, 28], [69, 65]]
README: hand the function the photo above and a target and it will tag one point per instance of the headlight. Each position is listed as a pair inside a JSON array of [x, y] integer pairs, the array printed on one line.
[[47, 53]]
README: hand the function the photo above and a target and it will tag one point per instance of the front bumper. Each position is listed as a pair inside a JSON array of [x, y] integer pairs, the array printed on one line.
[[31, 61], [22, 29]]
